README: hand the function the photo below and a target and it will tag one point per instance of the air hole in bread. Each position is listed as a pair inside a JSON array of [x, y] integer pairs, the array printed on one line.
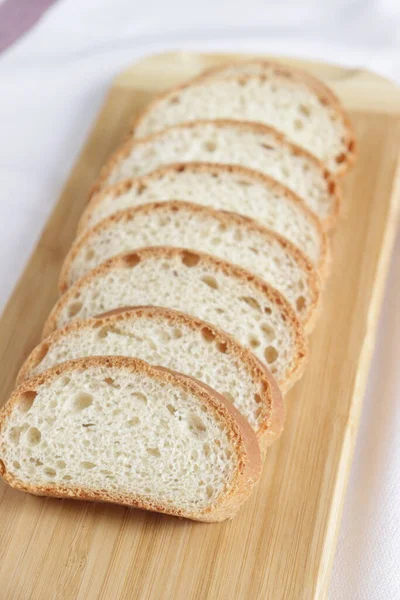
[[16, 464], [251, 302], [206, 449], [209, 491], [190, 259], [257, 398], [82, 401], [103, 332], [41, 353], [153, 452], [298, 124], [86, 464], [49, 472], [222, 347], [33, 436], [86, 443], [341, 158], [305, 110], [140, 189], [254, 342], [238, 235], [139, 398], [268, 310], [210, 146], [177, 333], [196, 424], [210, 281], [171, 409], [267, 147], [174, 100], [208, 334], [269, 333], [26, 401], [74, 309], [134, 421], [108, 380], [61, 464], [244, 183], [242, 82], [14, 435], [271, 354], [67, 477], [215, 240], [116, 412], [332, 187], [131, 260], [300, 303], [90, 253]]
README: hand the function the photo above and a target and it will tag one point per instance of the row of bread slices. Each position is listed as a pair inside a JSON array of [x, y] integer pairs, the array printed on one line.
[[207, 231]]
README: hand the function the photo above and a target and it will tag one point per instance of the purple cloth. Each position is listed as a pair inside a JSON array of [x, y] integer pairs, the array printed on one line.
[[17, 17]]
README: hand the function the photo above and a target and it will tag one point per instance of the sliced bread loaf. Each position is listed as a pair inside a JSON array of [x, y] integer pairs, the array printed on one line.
[[291, 106], [118, 430], [223, 187], [201, 285], [233, 143], [179, 342], [225, 235]]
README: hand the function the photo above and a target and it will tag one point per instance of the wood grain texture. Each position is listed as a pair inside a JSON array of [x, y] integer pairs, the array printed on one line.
[[281, 545]]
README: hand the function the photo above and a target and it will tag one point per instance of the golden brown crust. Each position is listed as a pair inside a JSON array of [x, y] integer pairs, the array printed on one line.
[[255, 177], [271, 401], [325, 96], [224, 217], [240, 434], [123, 151], [228, 269]]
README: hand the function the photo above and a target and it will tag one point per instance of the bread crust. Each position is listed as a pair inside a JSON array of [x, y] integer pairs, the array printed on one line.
[[225, 218], [241, 435], [325, 96], [228, 269], [125, 149], [272, 404], [255, 177]]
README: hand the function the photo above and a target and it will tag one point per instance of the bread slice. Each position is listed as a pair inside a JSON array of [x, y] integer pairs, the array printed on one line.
[[201, 285], [223, 187], [178, 342], [293, 107], [271, 69], [248, 145], [118, 430], [226, 235]]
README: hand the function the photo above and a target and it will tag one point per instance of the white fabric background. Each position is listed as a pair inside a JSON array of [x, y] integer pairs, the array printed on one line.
[[52, 83]]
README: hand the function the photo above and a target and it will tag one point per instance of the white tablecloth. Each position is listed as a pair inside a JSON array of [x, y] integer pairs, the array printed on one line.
[[52, 83]]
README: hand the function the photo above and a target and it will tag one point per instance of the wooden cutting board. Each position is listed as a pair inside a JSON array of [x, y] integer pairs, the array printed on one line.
[[281, 545]]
